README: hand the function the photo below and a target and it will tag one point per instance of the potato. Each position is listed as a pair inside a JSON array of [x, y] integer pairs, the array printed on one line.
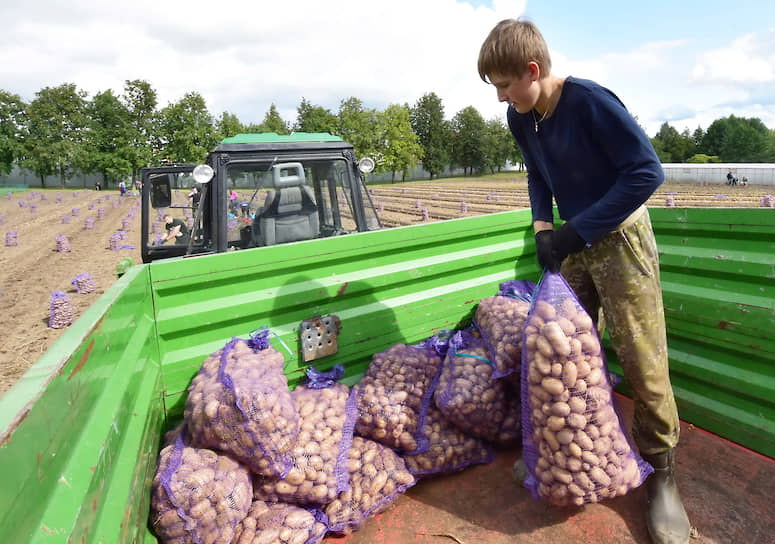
[[203, 499], [582, 450], [391, 396], [315, 472], [382, 476], [500, 319], [270, 523], [236, 377]]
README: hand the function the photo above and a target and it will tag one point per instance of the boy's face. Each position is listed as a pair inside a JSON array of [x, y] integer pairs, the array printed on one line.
[[519, 92]]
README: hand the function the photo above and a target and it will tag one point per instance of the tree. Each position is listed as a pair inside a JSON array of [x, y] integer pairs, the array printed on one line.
[[186, 130], [55, 131], [468, 128], [498, 145], [228, 125], [13, 119], [108, 142], [311, 118], [273, 122], [400, 150], [427, 118], [735, 139], [358, 126], [140, 100]]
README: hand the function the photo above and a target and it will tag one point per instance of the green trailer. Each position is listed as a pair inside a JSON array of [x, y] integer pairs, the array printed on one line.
[[80, 432]]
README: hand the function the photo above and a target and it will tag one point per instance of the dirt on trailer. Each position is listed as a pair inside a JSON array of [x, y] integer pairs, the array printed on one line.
[[33, 270]]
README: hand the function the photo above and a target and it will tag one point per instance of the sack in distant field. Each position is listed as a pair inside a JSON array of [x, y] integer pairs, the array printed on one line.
[[269, 523], [377, 477], [449, 449], [327, 412], [395, 392], [467, 394], [240, 403], [575, 447], [198, 495], [501, 319]]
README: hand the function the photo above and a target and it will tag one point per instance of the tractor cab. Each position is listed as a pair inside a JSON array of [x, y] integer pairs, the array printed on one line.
[[256, 190]]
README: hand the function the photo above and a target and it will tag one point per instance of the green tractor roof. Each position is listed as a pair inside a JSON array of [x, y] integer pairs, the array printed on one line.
[[273, 137]]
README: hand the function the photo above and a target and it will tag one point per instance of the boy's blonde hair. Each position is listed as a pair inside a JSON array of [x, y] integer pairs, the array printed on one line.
[[510, 46]]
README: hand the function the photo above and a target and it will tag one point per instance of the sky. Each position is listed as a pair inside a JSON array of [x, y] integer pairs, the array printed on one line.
[[683, 62]]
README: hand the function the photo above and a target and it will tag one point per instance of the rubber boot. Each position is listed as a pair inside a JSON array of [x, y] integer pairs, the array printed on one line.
[[666, 518]]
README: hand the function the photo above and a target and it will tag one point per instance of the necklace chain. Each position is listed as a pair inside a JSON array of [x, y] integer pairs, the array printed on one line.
[[536, 121]]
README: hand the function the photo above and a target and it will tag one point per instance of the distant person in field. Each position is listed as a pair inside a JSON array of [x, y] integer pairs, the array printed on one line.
[[122, 187], [730, 178], [177, 231], [585, 151], [98, 186]]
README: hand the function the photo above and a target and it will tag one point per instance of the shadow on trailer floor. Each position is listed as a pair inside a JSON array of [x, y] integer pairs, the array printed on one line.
[[728, 492]]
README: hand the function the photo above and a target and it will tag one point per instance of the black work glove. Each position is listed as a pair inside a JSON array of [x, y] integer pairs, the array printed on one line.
[[544, 245], [564, 242]]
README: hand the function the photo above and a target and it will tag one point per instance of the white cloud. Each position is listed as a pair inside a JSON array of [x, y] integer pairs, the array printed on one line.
[[748, 59], [244, 56]]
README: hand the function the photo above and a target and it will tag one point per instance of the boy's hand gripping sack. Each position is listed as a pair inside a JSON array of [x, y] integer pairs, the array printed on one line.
[[198, 495], [574, 444], [470, 398], [327, 412], [395, 392], [239, 403]]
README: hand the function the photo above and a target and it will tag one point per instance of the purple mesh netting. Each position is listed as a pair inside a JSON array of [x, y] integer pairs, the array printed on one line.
[[520, 289], [319, 457], [11, 238], [84, 283], [318, 379], [259, 340], [390, 410], [240, 403], [500, 320], [75, 211], [375, 472], [197, 495], [449, 450], [281, 523], [575, 447], [60, 311], [115, 241], [467, 394], [65, 219]]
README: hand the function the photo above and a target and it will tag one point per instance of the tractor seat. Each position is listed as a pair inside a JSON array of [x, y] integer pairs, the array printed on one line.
[[290, 212]]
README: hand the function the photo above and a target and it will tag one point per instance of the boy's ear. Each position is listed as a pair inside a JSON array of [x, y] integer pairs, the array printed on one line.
[[533, 70]]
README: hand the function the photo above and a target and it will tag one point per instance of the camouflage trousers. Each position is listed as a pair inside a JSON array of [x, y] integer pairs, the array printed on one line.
[[620, 274]]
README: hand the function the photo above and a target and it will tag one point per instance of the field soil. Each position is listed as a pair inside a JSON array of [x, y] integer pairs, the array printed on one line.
[[33, 270]]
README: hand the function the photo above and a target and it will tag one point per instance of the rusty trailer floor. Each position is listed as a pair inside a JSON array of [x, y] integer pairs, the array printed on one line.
[[728, 492]]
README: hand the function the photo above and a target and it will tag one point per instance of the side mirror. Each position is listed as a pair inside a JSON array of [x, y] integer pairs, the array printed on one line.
[[161, 195]]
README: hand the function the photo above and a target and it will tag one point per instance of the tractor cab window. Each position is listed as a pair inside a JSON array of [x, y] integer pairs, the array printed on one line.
[[178, 214], [287, 200]]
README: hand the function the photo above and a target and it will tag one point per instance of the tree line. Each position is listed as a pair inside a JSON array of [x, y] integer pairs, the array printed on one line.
[[62, 131]]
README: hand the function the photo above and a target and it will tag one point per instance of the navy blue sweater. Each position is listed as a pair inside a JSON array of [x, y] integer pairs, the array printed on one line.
[[591, 155]]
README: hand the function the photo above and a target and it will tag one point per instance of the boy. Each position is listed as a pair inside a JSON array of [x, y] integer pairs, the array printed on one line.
[[584, 149]]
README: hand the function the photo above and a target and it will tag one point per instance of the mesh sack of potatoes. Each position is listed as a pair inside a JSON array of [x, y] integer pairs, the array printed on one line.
[[327, 412], [281, 523], [500, 320], [377, 477], [450, 449], [574, 443], [467, 394], [198, 495], [240, 403], [395, 392]]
